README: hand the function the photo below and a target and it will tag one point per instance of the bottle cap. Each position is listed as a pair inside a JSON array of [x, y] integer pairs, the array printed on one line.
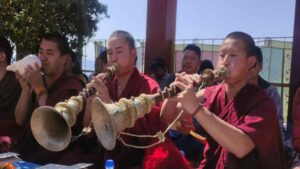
[[109, 163]]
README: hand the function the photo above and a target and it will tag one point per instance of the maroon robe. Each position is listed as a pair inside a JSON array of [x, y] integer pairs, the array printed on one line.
[[296, 121], [10, 90], [63, 88], [253, 112], [163, 155]]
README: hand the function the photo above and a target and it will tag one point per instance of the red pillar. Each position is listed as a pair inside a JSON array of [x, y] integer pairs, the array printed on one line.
[[160, 33], [295, 62]]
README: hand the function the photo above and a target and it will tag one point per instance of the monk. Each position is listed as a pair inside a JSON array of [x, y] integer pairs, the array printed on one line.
[[127, 83], [239, 119], [296, 130], [9, 93], [55, 85], [296, 123]]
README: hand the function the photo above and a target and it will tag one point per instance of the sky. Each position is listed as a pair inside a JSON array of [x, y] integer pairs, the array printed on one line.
[[202, 19], [205, 18]]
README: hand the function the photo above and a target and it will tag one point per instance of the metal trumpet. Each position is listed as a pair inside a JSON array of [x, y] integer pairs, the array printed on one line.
[[51, 127], [109, 120]]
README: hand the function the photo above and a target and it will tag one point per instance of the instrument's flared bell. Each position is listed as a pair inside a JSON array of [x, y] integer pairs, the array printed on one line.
[[103, 124], [50, 129]]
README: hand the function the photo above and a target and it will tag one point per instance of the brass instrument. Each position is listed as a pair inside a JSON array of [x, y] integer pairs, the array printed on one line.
[[109, 120], [51, 127], [210, 77]]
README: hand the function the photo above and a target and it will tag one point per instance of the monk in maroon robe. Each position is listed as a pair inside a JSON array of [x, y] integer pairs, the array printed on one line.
[[252, 111], [296, 120], [9, 95], [55, 85], [239, 119], [127, 83]]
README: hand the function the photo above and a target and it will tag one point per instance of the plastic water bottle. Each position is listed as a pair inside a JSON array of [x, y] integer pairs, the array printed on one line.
[[109, 164]]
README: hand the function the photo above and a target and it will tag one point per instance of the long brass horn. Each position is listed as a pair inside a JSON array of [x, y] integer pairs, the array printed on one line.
[[110, 119], [51, 127]]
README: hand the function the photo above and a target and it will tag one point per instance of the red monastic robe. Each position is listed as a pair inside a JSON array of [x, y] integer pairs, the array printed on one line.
[[296, 121], [254, 112]]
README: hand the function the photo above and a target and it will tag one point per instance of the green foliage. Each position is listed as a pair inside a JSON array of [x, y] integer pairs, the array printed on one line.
[[25, 21]]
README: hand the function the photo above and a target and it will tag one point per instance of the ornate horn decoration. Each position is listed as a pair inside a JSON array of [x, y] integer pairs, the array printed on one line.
[[210, 77], [109, 120], [51, 127]]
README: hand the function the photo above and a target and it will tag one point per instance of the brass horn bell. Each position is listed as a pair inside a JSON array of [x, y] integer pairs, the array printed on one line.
[[110, 119], [103, 124], [51, 127]]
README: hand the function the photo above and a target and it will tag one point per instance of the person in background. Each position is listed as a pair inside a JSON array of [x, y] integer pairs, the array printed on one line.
[[160, 73], [10, 90], [73, 65], [185, 142], [271, 90], [205, 64], [190, 62], [100, 64]]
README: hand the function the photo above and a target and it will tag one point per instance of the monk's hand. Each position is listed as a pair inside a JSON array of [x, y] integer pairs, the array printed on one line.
[[195, 78], [187, 96], [34, 76], [25, 85], [99, 83]]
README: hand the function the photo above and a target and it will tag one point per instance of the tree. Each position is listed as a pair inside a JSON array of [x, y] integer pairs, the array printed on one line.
[[24, 22]]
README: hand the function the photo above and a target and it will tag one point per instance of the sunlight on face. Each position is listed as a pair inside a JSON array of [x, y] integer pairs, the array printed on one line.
[[51, 58], [233, 55], [190, 62], [118, 51]]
